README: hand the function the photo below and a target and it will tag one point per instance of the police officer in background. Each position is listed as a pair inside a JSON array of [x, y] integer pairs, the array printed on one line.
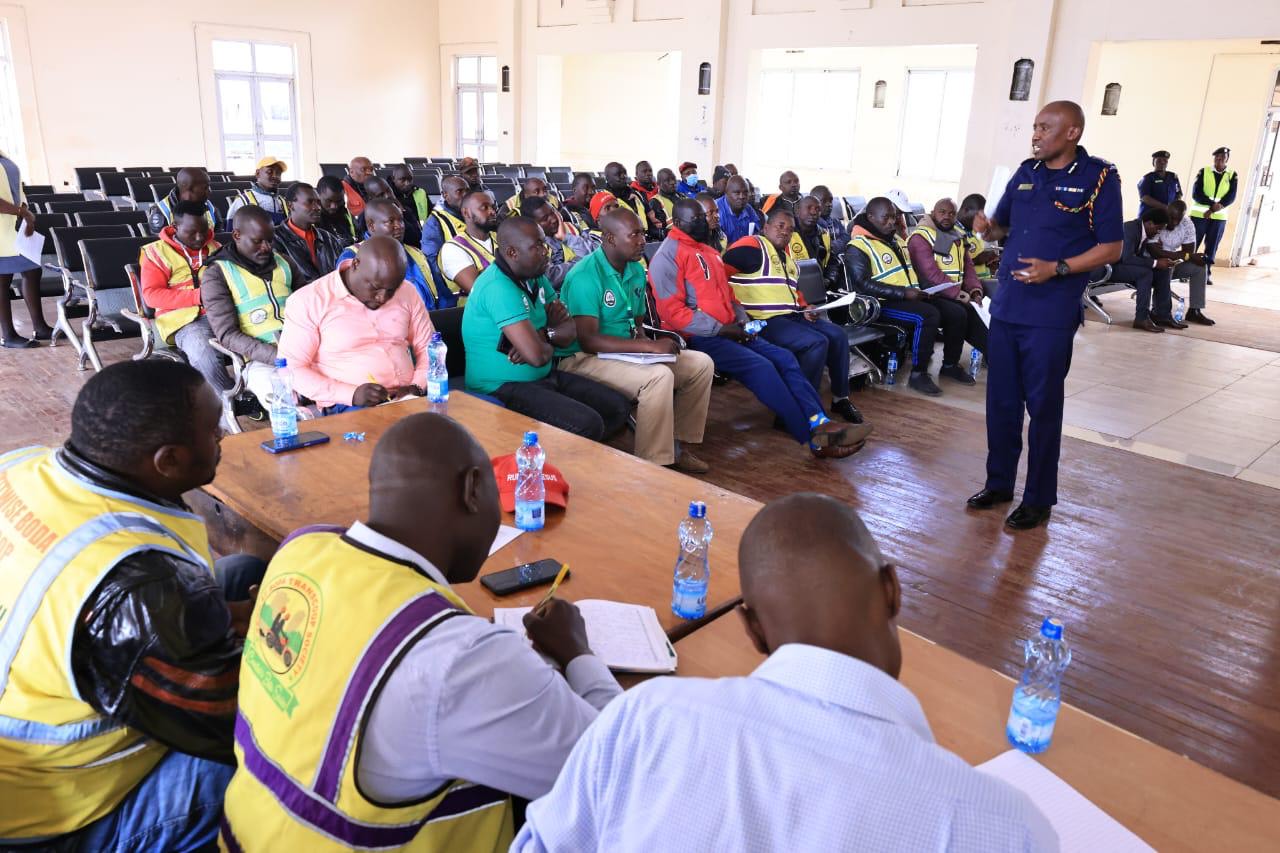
[[1060, 217], [1158, 188], [1212, 191]]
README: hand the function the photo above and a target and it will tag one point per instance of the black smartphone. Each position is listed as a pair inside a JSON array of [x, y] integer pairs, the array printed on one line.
[[303, 439], [522, 577]]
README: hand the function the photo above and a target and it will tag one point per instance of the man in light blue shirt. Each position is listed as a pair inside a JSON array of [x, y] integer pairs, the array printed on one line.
[[819, 749]]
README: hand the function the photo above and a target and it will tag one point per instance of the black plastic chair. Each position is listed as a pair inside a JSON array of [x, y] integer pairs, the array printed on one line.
[[112, 184], [140, 192], [38, 189], [70, 265], [111, 217], [39, 200], [87, 176], [222, 199], [111, 295], [80, 206], [813, 287], [428, 181]]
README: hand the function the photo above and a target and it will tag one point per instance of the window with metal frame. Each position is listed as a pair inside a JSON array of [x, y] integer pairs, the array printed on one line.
[[935, 122], [476, 106], [256, 84], [11, 140]]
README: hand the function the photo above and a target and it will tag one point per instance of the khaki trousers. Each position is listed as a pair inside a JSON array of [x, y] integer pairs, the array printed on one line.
[[672, 398]]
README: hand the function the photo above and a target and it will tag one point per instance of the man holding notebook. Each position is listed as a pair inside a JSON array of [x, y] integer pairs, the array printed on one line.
[[376, 710], [606, 296]]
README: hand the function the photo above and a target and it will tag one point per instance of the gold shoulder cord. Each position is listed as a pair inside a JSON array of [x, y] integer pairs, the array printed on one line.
[[1088, 205]]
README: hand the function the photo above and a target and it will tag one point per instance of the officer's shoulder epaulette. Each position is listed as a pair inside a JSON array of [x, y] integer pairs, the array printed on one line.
[[1098, 161], [1030, 161]]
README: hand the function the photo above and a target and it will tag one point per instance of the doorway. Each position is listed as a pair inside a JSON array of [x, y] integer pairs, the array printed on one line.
[[1262, 213]]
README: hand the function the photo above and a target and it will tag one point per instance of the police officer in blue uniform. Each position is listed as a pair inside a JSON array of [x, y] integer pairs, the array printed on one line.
[[1158, 188], [1060, 217]]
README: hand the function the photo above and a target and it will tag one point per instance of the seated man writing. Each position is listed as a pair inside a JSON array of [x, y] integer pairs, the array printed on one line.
[[877, 264], [470, 252], [383, 218], [244, 288], [190, 184], [1177, 242], [606, 296], [457, 714], [763, 277], [565, 246], [122, 653], [444, 222], [512, 328], [265, 193], [335, 218], [820, 748], [348, 335], [311, 250], [940, 255], [809, 242], [170, 281], [1140, 266], [694, 299]]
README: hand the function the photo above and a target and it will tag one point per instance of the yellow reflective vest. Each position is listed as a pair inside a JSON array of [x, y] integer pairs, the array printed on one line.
[[800, 252], [260, 304], [62, 764], [770, 290], [1215, 188], [165, 256], [885, 266], [952, 264], [331, 620], [480, 255], [975, 245]]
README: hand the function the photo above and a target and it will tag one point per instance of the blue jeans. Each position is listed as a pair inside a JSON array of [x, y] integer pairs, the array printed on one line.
[[772, 374], [236, 573], [815, 345]]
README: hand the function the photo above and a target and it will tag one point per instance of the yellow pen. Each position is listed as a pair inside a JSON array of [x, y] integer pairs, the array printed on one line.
[[560, 575]]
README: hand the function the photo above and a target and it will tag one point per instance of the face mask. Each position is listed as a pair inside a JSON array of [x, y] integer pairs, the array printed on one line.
[[692, 180], [699, 230]]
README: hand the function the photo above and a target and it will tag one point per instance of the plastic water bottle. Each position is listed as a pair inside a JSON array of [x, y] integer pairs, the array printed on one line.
[[437, 370], [1179, 309], [891, 375], [1038, 696], [284, 407], [531, 493], [693, 566], [975, 362]]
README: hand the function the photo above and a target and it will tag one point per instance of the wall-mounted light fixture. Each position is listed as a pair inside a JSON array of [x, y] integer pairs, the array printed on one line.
[[1111, 99], [877, 102], [1020, 88], [704, 78], [506, 78]]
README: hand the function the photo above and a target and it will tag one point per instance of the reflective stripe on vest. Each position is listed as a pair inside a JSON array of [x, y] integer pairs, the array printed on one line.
[[181, 277], [64, 765], [800, 252], [261, 308], [975, 245], [668, 206], [1214, 188], [770, 290], [480, 256], [167, 212], [450, 225], [329, 606], [250, 197], [952, 264], [885, 266]]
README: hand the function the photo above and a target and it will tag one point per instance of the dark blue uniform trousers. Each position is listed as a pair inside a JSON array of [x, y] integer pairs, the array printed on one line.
[[771, 373], [815, 345], [1210, 231], [1027, 370]]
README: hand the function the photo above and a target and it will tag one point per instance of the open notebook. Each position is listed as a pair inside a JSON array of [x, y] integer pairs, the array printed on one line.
[[627, 637], [638, 357]]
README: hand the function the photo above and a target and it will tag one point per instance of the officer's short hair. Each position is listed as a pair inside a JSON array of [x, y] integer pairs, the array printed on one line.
[[1156, 215], [129, 410]]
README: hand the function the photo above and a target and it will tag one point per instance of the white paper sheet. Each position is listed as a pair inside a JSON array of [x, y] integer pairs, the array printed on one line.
[[847, 299], [506, 534], [1081, 826], [984, 312], [626, 637], [638, 357], [31, 248]]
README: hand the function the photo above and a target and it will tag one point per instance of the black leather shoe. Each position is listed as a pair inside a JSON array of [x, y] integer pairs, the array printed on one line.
[[1168, 323], [1026, 517], [1195, 315], [987, 498], [847, 410], [924, 383], [956, 373]]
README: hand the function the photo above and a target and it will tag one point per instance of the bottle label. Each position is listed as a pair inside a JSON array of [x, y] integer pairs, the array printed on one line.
[[529, 515], [1026, 731], [437, 390]]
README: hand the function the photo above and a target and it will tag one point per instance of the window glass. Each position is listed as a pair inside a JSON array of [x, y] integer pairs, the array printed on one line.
[[273, 58], [232, 56]]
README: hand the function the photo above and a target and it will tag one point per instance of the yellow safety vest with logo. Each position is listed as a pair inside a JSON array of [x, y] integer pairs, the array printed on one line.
[[975, 245], [259, 304], [770, 290], [953, 262], [167, 212], [668, 206], [62, 764], [635, 203], [513, 204], [1215, 188], [480, 255], [885, 266], [332, 619], [165, 256], [800, 252], [450, 225]]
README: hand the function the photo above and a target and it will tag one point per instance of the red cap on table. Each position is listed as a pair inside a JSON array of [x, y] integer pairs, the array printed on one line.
[[504, 471]]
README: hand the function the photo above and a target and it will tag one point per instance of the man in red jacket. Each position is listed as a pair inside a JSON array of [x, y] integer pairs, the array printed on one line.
[[694, 298]]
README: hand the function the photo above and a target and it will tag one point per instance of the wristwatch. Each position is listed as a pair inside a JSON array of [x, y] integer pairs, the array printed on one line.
[[1062, 268]]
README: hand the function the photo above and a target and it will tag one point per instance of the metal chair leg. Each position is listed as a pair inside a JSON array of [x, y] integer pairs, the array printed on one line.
[[1092, 302]]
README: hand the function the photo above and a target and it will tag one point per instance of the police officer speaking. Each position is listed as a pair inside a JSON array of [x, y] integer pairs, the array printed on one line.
[[1060, 216]]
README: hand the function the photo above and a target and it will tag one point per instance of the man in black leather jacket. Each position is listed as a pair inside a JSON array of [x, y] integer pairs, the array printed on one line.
[[311, 250], [157, 644]]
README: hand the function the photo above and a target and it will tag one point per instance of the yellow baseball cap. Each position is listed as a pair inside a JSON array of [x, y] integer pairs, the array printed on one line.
[[270, 161]]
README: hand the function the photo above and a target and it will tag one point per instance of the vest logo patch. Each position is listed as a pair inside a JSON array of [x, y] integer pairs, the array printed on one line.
[[886, 258], [280, 639], [258, 315], [609, 299]]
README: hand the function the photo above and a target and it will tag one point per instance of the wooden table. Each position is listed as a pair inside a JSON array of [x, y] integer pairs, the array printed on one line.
[[618, 533], [1168, 800]]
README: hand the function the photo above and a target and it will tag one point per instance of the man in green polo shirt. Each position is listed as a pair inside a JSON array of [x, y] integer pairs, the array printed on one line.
[[511, 329], [605, 294]]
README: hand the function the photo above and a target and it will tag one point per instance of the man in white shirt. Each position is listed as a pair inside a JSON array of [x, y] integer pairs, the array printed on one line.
[[465, 255], [441, 711], [819, 749], [1177, 241]]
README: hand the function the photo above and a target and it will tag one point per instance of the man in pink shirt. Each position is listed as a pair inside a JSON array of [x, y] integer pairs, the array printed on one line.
[[348, 334]]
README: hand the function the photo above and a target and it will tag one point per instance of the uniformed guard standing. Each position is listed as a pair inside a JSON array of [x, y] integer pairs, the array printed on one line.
[[1158, 188], [1212, 192], [1061, 217]]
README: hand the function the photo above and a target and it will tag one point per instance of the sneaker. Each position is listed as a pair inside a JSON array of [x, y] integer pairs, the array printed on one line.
[[957, 373], [924, 383], [847, 410]]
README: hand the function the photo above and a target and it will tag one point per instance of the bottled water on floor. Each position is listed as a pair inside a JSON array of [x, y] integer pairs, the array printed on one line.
[[437, 370], [693, 566], [975, 363], [1179, 309], [891, 373], [1038, 696], [284, 406], [531, 492]]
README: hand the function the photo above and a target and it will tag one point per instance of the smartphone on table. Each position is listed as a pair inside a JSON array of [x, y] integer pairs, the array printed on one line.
[[299, 441], [522, 577]]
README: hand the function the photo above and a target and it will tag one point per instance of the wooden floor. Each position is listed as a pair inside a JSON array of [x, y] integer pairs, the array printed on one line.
[[1166, 577]]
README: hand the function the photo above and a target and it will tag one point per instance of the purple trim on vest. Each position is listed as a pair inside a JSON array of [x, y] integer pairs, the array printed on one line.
[[767, 265], [464, 800], [410, 619], [480, 251], [227, 836], [312, 528]]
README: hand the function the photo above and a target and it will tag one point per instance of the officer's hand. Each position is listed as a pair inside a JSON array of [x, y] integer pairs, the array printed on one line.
[[558, 631], [369, 394], [1036, 270], [734, 332], [980, 223]]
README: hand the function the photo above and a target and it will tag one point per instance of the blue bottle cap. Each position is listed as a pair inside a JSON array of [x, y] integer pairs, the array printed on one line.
[[1051, 628], [282, 362], [697, 509], [435, 336], [530, 437]]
